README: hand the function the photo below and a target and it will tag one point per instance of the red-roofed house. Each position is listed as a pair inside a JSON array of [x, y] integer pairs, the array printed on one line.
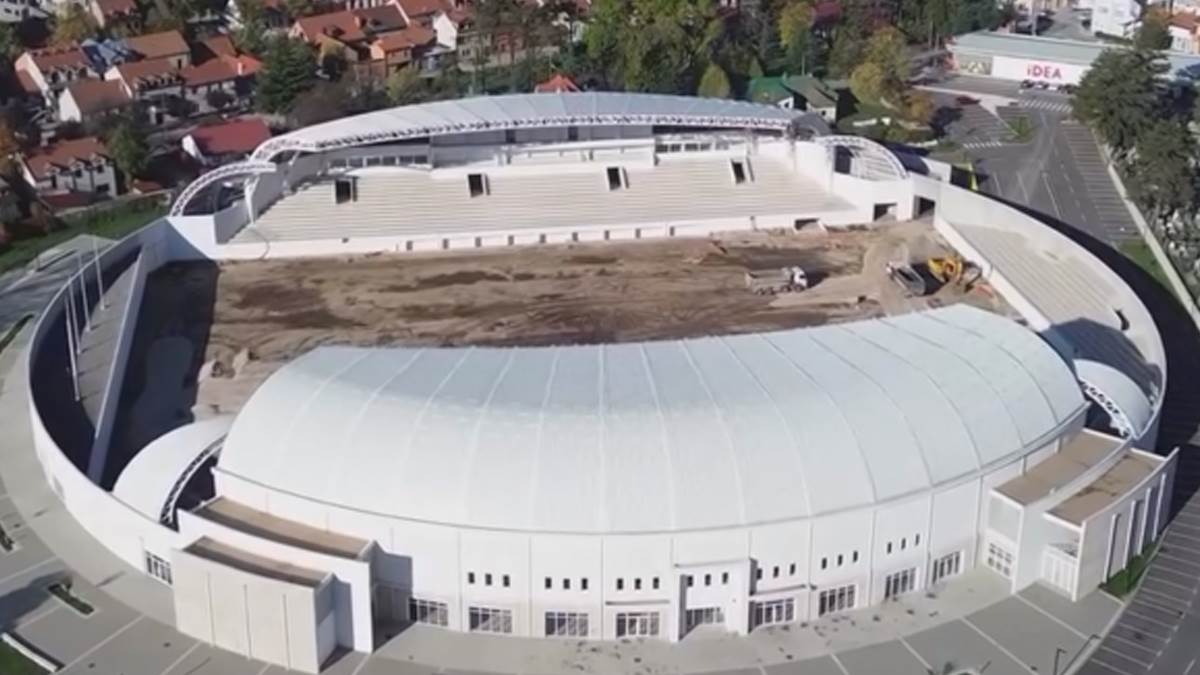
[[145, 78], [398, 49], [113, 13], [1185, 33], [168, 45], [423, 12], [50, 70], [344, 27], [232, 75], [375, 37], [85, 98], [559, 84], [81, 165], [221, 143]]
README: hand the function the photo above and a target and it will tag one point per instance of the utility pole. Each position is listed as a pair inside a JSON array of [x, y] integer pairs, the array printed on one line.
[[87, 313], [72, 339]]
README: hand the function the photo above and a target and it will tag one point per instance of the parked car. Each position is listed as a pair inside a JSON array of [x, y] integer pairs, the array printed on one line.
[[1067, 88], [1027, 84], [966, 100]]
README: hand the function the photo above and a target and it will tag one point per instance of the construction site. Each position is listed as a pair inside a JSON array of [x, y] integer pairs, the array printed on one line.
[[224, 328]]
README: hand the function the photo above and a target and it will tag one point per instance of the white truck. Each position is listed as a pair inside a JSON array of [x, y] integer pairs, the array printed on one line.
[[773, 281]]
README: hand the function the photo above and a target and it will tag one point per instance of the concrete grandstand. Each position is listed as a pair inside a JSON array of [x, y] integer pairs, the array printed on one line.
[[648, 488]]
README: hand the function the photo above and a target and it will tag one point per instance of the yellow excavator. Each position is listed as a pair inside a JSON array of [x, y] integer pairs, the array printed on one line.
[[953, 269]]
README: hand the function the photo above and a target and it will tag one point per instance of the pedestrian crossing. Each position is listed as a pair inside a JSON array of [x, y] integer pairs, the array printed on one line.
[[1062, 107], [976, 145]]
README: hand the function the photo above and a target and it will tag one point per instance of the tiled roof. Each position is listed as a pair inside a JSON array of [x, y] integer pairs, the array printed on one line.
[[557, 85], [220, 70], [235, 136], [158, 45], [413, 36], [55, 58], [64, 154], [218, 45], [381, 19], [414, 9], [148, 72], [92, 96], [342, 25]]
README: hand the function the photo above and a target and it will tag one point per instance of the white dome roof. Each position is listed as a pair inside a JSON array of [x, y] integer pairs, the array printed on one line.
[[656, 436]]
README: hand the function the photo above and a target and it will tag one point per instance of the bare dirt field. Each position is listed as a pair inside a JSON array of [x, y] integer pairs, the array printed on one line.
[[275, 310]]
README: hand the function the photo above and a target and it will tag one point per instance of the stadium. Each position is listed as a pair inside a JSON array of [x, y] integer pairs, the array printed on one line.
[[491, 365]]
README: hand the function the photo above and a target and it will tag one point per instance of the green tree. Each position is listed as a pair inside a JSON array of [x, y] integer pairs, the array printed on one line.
[[654, 45], [1162, 170], [251, 37], [73, 24], [1154, 33], [289, 69], [1120, 96], [849, 40], [127, 145], [795, 35], [10, 43], [405, 86], [714, 83], [883, 74]]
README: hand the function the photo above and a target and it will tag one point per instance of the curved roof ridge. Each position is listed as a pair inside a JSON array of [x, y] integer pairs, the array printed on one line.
[[664, 435], [356, 420], [731, 446], [908, 424], [1016, 428], [979, 463], [778, 413], [531, 507], [401, 458], [484, 412], [766, 337], [602, 423]]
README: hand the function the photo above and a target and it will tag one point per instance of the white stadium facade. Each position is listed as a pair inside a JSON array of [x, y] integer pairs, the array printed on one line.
[[621, 490]]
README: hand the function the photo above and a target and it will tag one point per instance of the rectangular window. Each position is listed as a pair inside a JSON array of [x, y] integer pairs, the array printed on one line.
[[840, 558], [583, 584], [775, 572], [837, 599], [899, 583], [916, 540], [428, 611], [470, 577], [758, 574], [824, 563], [566, 624], [688, 580], [476, 184], [999, 559], [654, 583], [854, 557], [945, 567], [724, 577], [708, 580], [637, 584], [616, 177], [489, 620], [739, 172], [702, 616], [566, 584], [343, 191], [549, 583], [158, 568], [487, 579], [620, 584], [773, 612], [505, 581], [637, 624]]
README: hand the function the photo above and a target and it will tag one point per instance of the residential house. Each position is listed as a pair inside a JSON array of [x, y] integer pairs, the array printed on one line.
[[226, 142], [800, 92], [153, 81], [559, 84], [1185, 33], [76, 166], [168, 45], [105, 53], [275, 17], [16, 11], [233, 75], [45, 72], [457, 30], [424, 12], [116, 14], [401, 48], [85, 99]]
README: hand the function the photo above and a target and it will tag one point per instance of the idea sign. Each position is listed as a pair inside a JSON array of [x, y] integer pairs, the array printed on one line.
[[1043, 71]]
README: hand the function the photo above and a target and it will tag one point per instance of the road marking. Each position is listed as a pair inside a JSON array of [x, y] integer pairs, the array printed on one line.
[[1127, 657], [838, 662], [999, 646], [1050, 616], [1183, 561], [1106, 666], [1131, 643], [105, 641], [182, 656], [1165, 596], [917, 656], [1189, 668], [264, 669], [1143, 617], [1053, 201], [361, 665], [29, 621], [27, 570], [1169, 583], [1189, 548]]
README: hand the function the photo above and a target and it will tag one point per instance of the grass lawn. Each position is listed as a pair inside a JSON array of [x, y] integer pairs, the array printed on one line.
[[1123, 582], [1138, 251], [113, 224], [12, 663]]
